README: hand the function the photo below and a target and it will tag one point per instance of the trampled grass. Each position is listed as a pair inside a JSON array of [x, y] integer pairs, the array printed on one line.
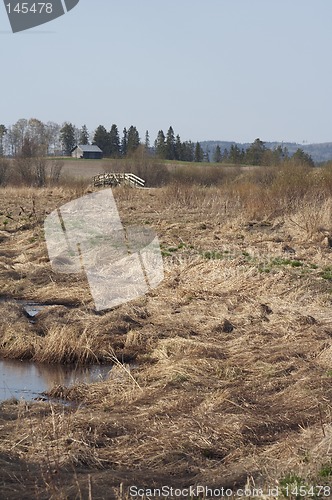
[[199, 402]]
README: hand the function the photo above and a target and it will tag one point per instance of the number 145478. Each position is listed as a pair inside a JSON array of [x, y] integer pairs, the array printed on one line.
[[307, 491], [25, 8]]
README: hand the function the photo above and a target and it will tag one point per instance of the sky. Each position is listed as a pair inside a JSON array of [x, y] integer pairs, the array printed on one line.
[[231, 70]]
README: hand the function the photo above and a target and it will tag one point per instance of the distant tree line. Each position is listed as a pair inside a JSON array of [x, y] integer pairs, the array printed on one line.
[[170, 147], [33, 138], [259, 154]]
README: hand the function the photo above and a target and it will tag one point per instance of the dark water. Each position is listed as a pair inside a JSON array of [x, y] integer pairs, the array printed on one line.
[[27, 380]]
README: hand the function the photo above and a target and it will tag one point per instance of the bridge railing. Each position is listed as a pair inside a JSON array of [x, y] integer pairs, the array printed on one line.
[[115, 179]]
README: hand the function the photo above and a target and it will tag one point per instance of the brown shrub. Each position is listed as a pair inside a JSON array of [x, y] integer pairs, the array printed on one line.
[[153, 171], [207, 175]]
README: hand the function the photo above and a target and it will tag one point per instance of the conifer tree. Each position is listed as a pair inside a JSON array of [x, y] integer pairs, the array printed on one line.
[[133, 140], [199, 153], [255, 153], [102, 140], [187, 151], [114, 139], [160, 145], [170, 144], [147, 141], [217, 156], [84, 135], [67, 137], [302, 158], [178, 148], [235, 155]]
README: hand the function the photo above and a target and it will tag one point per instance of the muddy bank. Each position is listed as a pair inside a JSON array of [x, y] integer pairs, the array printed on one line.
[[58, 334]]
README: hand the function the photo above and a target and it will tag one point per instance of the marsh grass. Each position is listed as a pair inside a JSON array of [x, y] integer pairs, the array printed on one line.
[[201, 403]]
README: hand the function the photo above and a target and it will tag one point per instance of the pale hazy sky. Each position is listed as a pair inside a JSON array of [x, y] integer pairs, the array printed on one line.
[[213, 69]]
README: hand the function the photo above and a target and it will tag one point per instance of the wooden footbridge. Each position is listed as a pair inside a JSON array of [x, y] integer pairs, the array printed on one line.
[[117, 179]]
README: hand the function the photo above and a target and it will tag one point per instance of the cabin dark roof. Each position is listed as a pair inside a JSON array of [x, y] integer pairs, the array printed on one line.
[[88, 148]]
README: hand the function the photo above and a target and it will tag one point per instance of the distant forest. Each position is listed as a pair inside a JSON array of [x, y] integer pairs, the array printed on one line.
[[34, 138]]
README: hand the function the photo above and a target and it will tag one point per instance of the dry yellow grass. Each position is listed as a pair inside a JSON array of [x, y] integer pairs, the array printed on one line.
[[232, 353]]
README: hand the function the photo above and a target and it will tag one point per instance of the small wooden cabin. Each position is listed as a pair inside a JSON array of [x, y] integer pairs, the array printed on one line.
[[87, 152]]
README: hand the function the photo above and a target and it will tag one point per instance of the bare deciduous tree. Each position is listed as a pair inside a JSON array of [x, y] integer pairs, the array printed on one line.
[[55, 171], [39, 170], [4, 171]]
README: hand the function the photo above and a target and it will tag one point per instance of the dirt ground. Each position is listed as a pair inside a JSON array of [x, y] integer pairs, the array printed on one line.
[[85, 169], [222, 374]]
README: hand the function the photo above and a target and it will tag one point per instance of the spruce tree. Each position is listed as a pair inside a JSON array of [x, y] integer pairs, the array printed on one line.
[[147, 142], [102, 140], [67, 137], [217, 156], [302, 158], [178, 148], [188, 151], [114, 139], [84, 135], [235, 155], [199, 153], [160, 145], [133, 140], [255, 153], [170, 144]]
